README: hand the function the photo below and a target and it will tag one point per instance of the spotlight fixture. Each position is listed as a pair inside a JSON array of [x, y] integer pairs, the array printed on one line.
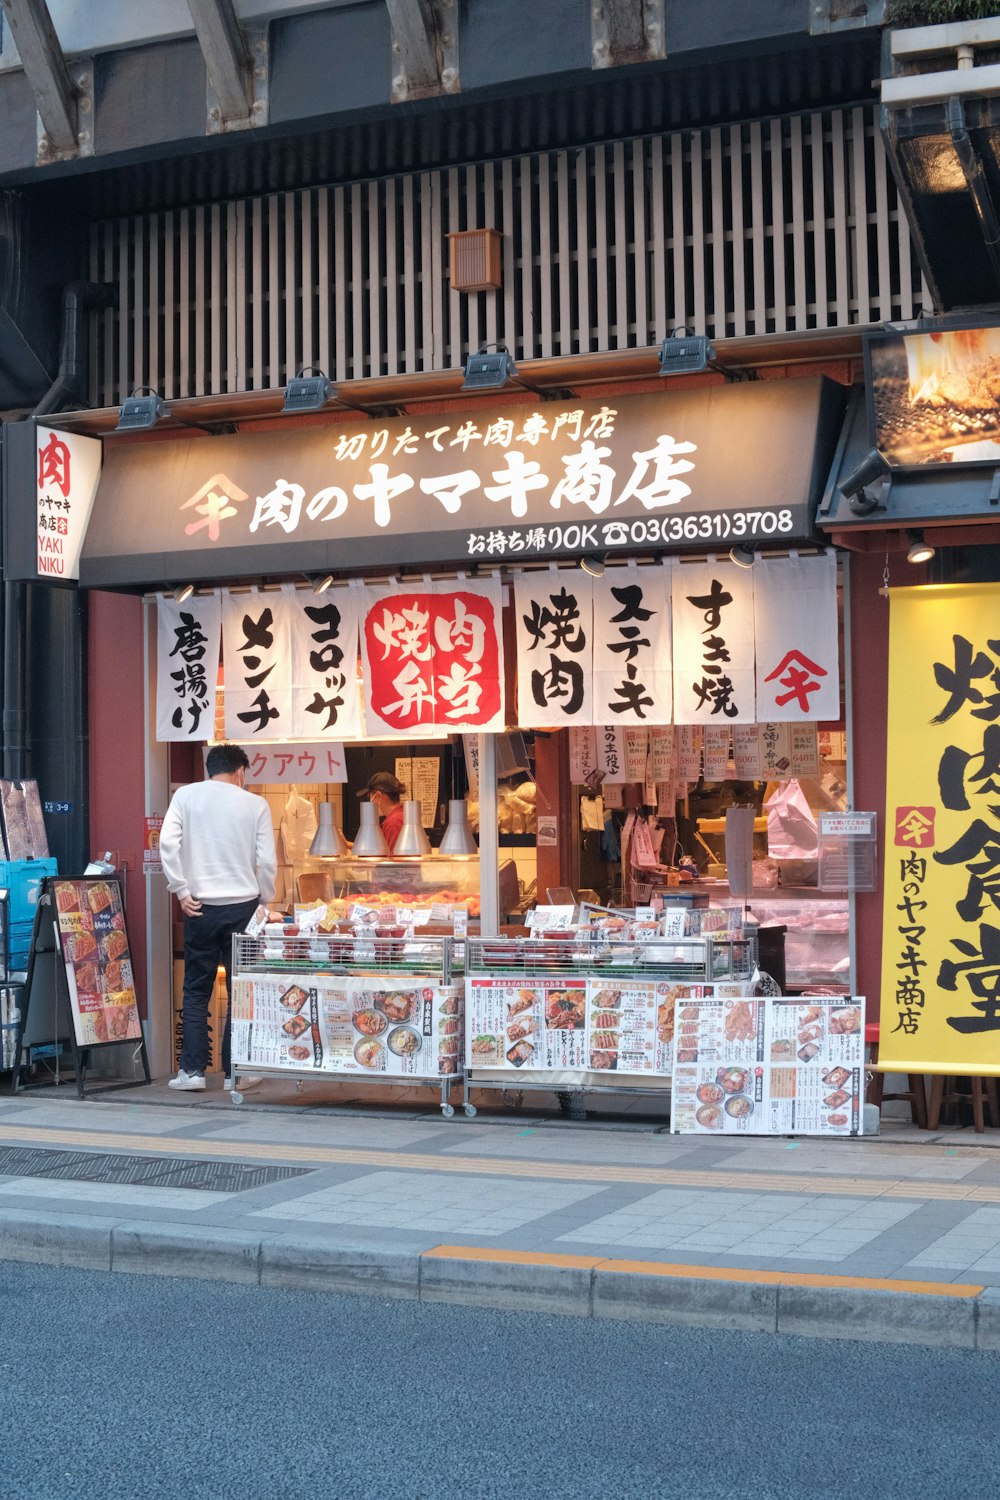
[[141, 411], [307, 392], [182, 592], [321, 582], [489, 371], [854, 488], [919, 551], [593, 563], [742, 555], [686, 354]]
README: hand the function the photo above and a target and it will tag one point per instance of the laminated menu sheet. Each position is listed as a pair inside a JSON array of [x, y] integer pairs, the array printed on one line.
[[318, 1023], [770, 1067], [601, 1024]]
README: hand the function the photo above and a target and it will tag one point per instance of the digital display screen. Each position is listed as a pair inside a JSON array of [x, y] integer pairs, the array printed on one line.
[[934, 397]]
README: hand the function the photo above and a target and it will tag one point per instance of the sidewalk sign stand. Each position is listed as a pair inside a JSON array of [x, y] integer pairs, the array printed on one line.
[[79, 994]]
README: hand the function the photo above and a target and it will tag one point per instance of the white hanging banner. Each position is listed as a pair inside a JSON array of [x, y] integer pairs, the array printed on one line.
[[713, 643], [632, 662], [795, 627], [325, 664], [187, 665], [433, 658], [555, 658], [256, 643]]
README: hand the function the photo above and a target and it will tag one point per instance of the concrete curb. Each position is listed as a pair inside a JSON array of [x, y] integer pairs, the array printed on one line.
[[571, 1286]]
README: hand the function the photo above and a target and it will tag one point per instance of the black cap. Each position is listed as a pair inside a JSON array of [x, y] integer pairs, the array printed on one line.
[[384, 781]]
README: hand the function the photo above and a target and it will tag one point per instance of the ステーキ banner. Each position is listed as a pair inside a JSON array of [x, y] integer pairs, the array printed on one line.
[[713, 643], [555, 657], [256, 634], [632, 670], [795, 628], [325, 696], [941, 927], [187, 665], [433, 658]]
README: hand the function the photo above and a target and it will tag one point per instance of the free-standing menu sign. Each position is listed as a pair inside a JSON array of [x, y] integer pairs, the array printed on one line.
[[770, 1067], [79, 986]]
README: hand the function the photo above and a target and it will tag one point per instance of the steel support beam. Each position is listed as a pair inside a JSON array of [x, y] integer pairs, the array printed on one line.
[[46, 71], [626, 31], [227, 59]]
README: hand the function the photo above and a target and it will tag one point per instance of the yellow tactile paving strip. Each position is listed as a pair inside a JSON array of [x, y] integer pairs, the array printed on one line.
[[401, 1161], [699, 1273]]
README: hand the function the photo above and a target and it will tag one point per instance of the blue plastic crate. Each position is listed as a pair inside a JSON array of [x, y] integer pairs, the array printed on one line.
[[23, 878]]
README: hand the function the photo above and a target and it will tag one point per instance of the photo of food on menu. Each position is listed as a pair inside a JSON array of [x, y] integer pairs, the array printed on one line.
[[95, 949]]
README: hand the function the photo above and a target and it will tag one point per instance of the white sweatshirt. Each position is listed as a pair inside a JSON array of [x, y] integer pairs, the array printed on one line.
[[217, 844]]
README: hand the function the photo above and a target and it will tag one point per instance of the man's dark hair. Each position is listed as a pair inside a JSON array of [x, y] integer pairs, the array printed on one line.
[[223, 760]]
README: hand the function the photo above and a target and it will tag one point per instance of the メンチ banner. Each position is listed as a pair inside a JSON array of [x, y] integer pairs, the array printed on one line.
[[257, 639], [941, 925]]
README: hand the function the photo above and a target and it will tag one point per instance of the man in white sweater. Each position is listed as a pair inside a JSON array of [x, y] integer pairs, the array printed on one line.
[[217, 851]]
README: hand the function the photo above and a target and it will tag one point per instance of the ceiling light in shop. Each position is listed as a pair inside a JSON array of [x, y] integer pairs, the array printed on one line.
[[919, 551], [593, 563], [742, 556], [321, 582], [182, 592]]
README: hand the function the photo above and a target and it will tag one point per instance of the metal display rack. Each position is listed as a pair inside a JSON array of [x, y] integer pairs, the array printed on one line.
[[361, 956], [709, 959]]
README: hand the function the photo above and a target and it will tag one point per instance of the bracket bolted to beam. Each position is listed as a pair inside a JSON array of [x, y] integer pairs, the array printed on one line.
[[236, 63], [626, 31], [64, 103], [424, 48]]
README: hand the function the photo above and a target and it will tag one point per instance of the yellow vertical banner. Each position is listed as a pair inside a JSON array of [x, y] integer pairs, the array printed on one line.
[[941, 925]]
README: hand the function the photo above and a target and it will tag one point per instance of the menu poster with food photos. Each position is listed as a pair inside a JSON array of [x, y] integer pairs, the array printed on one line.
[[816, 1057], [770, 1066], [322, 1024], [90, 925], [597, 1025]]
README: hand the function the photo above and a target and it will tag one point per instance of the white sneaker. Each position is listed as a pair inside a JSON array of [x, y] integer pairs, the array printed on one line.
[[246, 1083], [192, 1082]]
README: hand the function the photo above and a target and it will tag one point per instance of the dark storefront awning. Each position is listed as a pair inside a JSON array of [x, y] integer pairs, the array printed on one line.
[[695, 469]]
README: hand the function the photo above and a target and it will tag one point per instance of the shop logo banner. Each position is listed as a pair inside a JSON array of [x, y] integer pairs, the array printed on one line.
[[796, 638], [68, 470], [187, 663], [433, 658], [941, 921]]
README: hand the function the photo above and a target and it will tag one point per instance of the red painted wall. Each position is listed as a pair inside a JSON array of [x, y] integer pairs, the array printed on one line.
[[117, 753], [869, 612]]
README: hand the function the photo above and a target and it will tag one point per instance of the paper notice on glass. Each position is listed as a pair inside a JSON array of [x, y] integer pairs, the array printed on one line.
[[746, 752], [716, 752], [773, 751], [636, 752], [611, 752], [582, 754], [662, 753], [420, 774], [689, 742], [803, 751], [641, 852], [470, 748]]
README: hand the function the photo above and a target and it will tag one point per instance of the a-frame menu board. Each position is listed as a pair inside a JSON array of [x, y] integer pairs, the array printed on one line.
[[80, 985]]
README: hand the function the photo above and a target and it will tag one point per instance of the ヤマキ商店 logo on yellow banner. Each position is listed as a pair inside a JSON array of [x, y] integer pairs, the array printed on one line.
[[915, 827]]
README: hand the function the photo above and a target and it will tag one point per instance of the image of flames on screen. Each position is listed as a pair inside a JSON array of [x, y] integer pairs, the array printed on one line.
[[934, 396]]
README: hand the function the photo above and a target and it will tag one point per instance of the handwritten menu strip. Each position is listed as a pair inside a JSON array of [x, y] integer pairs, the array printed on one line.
[[617, 1025], [771, 1067], [321, 1024], [91, 925]]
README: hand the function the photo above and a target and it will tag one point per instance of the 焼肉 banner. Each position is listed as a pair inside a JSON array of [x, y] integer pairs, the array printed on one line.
[[941, 927]]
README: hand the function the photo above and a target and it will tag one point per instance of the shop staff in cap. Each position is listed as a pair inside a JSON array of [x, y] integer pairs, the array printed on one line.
[[217, 850], [386, 793]]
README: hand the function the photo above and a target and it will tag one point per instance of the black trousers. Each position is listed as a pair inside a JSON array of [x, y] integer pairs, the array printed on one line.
[[208, 942]]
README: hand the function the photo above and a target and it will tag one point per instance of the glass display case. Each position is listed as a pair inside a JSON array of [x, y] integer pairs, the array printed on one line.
[[435, 880], [817, 934]]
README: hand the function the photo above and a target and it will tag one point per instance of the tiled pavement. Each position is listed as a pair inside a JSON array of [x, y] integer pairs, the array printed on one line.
[[904, 1206]]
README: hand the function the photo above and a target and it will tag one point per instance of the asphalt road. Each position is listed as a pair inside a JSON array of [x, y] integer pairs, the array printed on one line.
[[116, 1387]]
